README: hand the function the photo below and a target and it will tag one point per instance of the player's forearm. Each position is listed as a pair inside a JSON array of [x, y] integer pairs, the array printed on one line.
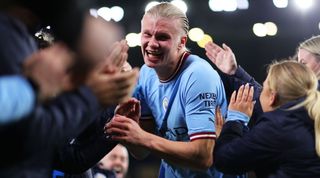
[[195, 155]]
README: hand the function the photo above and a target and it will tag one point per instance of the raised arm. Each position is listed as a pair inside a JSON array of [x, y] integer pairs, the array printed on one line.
[[233, 75], [223, 57], [239, 151]]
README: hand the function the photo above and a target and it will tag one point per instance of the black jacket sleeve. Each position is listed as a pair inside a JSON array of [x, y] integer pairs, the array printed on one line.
[[48, 125], [241, 77], [87, 149], [238, 152]]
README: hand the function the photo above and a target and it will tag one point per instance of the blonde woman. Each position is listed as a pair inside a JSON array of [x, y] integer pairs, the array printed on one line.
[[308, 53], [285, 140]]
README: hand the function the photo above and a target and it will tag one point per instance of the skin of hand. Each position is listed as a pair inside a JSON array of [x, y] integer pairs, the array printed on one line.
[[48, 68], [113, 88], [223, 57], [108, 82], [117, 59], [219, 121], [126, 67], [130, 109], [127, 130], [242, 101]]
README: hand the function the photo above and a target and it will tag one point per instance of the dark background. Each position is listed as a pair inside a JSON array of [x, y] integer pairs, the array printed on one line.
[[234, 29]]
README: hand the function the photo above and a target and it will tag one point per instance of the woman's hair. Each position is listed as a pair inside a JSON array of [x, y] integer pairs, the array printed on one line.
[[292, 80], [312, 45], [170, 11]]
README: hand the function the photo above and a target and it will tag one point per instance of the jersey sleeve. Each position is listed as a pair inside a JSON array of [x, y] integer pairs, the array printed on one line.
[[204, 93]]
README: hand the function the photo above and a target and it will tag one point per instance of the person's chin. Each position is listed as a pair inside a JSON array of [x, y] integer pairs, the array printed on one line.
[[150, 63]]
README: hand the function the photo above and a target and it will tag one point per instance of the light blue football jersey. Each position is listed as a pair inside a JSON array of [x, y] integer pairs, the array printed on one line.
[[199, 91]]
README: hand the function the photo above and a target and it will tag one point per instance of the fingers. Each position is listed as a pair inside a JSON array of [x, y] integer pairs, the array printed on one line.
[[242, 101], [124, 52], [113, 88], [213, 46], [126, 79], [117, 122], [136, 113], [240, 93], [250, 95], [226, 48], [128, 108], [126, 67], [212, 50], [211, 57], [245, 93], [118, 55], [233, 97], [250, 98]]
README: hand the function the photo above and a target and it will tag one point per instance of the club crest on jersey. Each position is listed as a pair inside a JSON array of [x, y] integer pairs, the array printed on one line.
[[165, 102]]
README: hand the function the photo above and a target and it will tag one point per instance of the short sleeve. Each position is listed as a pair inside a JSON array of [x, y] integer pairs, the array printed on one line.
[[205, 92]]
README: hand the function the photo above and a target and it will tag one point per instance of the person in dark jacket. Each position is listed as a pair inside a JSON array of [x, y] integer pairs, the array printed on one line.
[[233, 75], [285, 142], [38, 143]]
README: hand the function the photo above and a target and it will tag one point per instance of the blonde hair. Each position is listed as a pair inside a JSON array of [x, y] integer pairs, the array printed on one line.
[[170, 11], [292, 80], [312, 45]]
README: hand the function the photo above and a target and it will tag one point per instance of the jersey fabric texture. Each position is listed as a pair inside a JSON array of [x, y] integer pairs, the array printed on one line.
[[199, 91]]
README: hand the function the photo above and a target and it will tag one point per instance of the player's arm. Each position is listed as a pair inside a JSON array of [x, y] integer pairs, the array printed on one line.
[[140, 152], [196, 154]]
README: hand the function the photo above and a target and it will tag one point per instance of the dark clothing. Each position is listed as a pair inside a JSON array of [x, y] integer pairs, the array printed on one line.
[[34, 146], [64, 16], [16, 45], [281, 144], [241, 77], [87, 149]]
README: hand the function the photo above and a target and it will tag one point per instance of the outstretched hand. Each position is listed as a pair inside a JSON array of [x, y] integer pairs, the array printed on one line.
[[242, 101], [117, 57], [223, 57], [130, 109], [113, 88], [125, 130]]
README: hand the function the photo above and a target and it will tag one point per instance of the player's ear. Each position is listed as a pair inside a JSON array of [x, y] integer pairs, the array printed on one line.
[[183, 41]]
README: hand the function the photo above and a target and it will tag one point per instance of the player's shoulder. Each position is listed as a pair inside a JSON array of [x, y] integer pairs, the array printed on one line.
[[199, 66]]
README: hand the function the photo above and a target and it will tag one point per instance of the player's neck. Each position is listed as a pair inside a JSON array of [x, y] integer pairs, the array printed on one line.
[[169, 72]]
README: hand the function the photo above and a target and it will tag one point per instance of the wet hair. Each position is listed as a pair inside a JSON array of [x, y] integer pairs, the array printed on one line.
[[292, 80], [170, 11]]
